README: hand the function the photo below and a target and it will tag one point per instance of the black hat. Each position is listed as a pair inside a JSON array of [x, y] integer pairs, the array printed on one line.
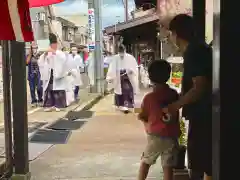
[[52, 38]]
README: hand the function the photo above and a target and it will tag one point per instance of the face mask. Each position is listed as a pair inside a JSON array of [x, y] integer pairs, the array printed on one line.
[[74, 52]]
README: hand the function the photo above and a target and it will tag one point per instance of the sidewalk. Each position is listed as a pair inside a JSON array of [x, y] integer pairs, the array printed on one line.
[[36, 112], [107, 147], [39, 118]]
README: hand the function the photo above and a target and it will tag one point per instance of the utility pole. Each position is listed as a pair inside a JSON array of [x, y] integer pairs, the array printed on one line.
[[51, 17], [114, 34], [126, 10], [99, 69], [99, 81]]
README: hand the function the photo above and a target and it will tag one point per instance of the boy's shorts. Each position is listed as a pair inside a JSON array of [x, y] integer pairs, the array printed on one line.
[[160, 146]]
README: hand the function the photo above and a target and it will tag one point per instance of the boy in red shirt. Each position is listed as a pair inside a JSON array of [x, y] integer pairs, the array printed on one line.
[[162, 130]]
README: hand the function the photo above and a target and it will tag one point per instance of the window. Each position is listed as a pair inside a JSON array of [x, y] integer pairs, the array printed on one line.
[[65, 33], [86, 40]]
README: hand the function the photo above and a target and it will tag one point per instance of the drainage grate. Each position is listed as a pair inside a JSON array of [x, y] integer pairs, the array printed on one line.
[[66, 125], [47, 136]]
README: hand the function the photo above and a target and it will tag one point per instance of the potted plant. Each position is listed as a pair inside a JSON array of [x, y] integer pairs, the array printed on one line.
[[176, 78], [182, 146]]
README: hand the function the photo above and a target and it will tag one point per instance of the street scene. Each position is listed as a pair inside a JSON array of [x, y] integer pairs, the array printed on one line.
[[107, 90]]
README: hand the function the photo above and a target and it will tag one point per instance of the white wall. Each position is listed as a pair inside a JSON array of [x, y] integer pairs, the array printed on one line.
[[168, 9]]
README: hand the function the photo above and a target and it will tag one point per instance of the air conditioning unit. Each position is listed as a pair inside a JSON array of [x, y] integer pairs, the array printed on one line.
[[41, 16]]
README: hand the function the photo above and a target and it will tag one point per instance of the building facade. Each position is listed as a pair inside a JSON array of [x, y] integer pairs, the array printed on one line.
[[81, 22]]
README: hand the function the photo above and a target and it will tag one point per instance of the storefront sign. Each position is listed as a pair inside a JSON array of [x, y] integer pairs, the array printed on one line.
[[91, 29]]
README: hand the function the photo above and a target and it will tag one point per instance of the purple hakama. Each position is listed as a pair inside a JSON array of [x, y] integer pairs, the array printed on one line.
[[54, 98], [126, 99]]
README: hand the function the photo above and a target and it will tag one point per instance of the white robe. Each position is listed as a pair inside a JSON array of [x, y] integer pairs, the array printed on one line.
[[57, 62], [90, 68], [128, 63], [76, 64], [70, 80]]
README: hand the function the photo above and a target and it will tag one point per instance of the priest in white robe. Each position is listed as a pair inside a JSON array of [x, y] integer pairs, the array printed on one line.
[[52, 66], [69, 80], [76, 65], [123, 74]]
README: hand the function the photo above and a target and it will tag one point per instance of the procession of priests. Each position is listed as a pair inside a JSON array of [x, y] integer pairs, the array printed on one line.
[[55, 76], [58, 75]]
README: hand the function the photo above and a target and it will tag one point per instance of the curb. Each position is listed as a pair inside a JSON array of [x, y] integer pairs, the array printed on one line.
[[83, 107], [89, 104]]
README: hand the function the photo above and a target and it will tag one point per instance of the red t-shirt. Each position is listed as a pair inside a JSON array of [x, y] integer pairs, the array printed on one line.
[[151, 110]]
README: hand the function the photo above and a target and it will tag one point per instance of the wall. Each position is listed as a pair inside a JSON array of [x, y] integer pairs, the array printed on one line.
[[81, 21], [169, 8], [40, 30]]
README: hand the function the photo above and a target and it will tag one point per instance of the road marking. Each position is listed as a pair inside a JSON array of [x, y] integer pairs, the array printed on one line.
[[34, 110], [28, 113]]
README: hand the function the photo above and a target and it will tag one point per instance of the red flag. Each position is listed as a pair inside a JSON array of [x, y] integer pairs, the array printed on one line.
[[39, 3], [16, 22]]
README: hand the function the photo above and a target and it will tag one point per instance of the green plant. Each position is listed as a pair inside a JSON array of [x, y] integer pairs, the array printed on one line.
[[177, 74], [183, 136]]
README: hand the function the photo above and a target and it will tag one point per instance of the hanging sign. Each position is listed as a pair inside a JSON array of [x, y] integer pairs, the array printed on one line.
[[91, 29]]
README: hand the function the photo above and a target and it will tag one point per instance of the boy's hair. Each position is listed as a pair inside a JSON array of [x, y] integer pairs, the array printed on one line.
[[183, 26], [159, 71]]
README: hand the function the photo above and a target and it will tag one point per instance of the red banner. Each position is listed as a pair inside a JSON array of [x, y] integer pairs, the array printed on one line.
[[16, 22], [39, 3]]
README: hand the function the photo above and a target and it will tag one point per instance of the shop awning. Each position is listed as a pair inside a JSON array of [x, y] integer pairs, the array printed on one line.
[[131, 23]]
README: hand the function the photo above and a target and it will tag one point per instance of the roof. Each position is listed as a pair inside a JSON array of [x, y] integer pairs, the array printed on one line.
[[131, 23], [65, 22]]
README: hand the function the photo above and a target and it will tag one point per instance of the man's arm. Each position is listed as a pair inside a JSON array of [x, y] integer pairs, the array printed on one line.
[[29, 56], [201, 70], [199, 86]]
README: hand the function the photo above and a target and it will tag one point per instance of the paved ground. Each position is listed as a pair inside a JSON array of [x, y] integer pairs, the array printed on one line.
[[107, 147], [37, 118]]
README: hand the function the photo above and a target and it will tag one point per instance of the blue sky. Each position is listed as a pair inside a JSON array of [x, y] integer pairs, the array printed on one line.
[[112, 10]]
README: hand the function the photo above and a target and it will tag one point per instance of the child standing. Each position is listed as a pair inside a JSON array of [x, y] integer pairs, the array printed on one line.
[[162, 130]]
